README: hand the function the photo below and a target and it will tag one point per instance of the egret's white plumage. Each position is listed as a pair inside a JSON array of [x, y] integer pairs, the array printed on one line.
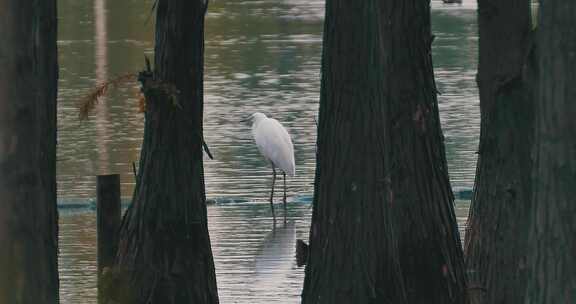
[[275, 145], [274, 142]]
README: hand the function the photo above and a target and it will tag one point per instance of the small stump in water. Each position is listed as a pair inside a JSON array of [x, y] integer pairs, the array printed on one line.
[[301, 253]]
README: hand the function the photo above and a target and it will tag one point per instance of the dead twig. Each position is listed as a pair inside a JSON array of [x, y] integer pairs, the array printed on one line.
[[88, 103]]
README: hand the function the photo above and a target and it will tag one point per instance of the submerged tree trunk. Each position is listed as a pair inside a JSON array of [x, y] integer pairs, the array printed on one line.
[[383, 226], [551, 262], [164, 251], [28, 214], [496, 238]]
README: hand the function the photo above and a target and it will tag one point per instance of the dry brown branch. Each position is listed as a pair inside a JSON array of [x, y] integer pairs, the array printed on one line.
[[141, 102], [88, 103]]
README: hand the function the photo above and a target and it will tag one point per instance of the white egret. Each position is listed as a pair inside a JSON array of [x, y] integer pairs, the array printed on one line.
[[275, 144]]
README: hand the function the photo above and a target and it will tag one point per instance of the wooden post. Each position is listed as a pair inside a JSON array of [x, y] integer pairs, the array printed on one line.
[[108, 212]]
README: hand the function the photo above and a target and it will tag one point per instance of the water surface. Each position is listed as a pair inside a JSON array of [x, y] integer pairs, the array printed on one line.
[[260, 56]]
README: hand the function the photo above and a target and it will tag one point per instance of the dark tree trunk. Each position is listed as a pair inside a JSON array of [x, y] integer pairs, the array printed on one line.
[[552, 242], [28, 214], [383, 226], [164, 251], [495, 246]]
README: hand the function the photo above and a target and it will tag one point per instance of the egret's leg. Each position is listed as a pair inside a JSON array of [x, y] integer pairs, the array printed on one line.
[[272, 194], [285, 212]]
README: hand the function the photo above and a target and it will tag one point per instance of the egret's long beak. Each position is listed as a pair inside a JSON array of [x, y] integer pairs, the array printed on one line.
[[247, 119]]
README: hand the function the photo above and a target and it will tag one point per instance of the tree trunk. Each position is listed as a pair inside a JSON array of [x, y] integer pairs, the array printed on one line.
[[495, 246], [552, 242], [28, 214], [383, 226], [164, 251]]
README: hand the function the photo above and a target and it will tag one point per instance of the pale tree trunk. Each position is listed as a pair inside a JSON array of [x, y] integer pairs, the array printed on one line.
[[496, 238], [383, 225], [551, 262], [28, 214], [164, 251]]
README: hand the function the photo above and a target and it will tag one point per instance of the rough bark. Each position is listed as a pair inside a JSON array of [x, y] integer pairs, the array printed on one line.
[[496, 238], [28, 214], [383, 225], [552, 242], [164, 251]]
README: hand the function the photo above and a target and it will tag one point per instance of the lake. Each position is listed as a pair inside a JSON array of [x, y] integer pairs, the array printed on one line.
[[260, 56]]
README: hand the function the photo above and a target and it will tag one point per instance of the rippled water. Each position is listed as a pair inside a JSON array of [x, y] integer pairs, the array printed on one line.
[[260, 56], [254, 263]]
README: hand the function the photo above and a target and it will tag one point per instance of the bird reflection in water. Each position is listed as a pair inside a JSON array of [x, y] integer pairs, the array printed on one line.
[[275, 258]]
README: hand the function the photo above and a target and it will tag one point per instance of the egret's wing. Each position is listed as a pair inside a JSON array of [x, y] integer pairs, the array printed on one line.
[[275, 144]]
